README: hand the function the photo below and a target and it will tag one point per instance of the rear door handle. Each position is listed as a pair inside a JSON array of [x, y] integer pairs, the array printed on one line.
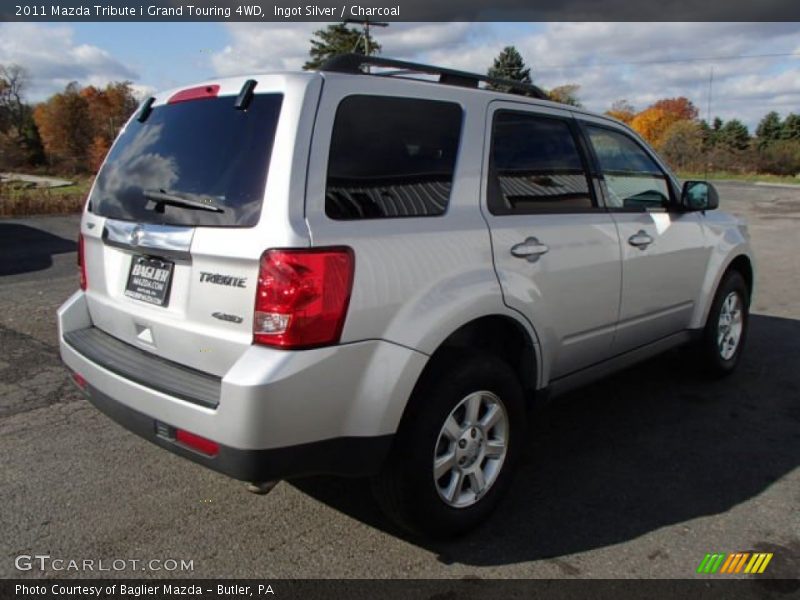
[[640, 239], [531, 249]]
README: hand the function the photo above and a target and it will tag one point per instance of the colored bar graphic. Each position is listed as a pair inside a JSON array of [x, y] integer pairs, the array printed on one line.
[[703, 563], [734, 563], [727, 563], [711, 563], [766, 562], [758, 563], [741, 562]]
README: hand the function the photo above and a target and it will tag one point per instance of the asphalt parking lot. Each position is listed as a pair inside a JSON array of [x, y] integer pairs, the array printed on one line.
[[639, 475]]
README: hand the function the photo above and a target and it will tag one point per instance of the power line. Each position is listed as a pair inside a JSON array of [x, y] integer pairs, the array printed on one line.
[[668, 61], [708, 115]]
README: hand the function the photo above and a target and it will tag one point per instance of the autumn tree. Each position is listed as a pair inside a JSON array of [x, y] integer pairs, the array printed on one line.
[[109, 109], [682, 144], [19, 139], [565, 94], [65, 127], [681, 108], [622, 110], [509, 65], [13, 81], [78, 125], [651, 124], [338, 39]]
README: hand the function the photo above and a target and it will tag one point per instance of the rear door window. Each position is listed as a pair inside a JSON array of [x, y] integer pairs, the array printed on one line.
[[391, 157], [203, 151], [535, 166]]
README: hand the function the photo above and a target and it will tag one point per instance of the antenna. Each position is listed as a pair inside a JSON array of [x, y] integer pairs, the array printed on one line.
[[365, 23], [708, 114]]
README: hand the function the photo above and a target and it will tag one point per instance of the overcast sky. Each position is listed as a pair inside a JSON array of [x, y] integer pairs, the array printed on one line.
[[640, 62]]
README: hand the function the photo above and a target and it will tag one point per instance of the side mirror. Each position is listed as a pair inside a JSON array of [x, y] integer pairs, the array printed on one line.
[[699, 195]]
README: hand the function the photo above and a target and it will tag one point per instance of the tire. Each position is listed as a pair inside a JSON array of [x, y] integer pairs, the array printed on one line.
[[407, 490], [725, 333]]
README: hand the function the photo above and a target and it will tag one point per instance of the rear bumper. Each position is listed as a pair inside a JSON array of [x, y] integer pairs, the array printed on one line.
[[348, 456], [280, 414]]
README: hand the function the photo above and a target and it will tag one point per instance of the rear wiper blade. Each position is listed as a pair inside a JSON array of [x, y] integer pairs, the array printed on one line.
[[162, 197]]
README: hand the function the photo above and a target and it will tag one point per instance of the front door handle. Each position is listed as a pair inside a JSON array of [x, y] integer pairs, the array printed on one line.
[[640, 239], [531, 249]]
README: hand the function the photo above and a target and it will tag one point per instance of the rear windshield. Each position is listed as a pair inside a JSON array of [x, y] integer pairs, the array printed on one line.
[[201, 154]]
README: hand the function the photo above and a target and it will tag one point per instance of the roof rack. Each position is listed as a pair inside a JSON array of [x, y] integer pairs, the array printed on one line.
[[354, 63]]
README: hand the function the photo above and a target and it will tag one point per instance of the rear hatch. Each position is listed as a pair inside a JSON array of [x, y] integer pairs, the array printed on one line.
[[187, 201]]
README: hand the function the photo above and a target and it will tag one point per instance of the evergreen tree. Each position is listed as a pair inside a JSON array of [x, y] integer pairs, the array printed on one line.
[[769, 129], [338, 39], [709, 135], [791, 127], [734, 135], [509, 65]]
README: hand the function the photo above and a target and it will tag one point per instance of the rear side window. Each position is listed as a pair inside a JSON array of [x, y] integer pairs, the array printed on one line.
[[535, 166], [203, 151], [391, 157]]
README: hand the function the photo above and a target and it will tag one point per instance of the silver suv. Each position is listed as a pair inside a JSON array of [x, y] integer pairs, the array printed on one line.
[[370, 272]]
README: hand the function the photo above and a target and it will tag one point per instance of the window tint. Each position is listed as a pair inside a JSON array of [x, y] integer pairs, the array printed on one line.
[[391, 157], [535, 165], [203, 151], [633, 179]]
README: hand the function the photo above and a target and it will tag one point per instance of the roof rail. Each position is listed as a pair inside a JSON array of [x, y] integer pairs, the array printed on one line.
[[354, 63]]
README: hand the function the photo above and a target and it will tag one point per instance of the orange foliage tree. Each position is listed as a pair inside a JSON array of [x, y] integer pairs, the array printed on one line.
[[680, 108], [78, 125], [65, 128], [654, 121], [622, 110]]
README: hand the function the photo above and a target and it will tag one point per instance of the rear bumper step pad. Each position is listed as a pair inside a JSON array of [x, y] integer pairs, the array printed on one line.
[[145, 368]]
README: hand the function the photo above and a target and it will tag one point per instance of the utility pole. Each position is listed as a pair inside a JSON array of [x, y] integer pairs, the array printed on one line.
[[708, 115], [365, 24]]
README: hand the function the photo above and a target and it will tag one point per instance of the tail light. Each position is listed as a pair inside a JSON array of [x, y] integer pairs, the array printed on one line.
[[82, 263], [302, 297]]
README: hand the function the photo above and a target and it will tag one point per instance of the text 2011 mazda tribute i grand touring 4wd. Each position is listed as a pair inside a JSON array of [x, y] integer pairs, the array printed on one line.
[[362, 274]]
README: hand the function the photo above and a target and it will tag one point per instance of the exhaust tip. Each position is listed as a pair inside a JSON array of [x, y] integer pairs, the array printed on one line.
[[262, 488]]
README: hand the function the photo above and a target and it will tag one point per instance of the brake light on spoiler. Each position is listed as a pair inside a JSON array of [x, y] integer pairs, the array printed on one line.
[[195, 93]]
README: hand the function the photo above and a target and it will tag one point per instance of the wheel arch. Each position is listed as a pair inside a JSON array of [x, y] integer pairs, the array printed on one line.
[[496, 334], [742, 263], [744, 266]]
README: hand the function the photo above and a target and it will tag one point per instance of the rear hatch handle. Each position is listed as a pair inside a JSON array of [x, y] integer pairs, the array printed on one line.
[[168, 241]]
